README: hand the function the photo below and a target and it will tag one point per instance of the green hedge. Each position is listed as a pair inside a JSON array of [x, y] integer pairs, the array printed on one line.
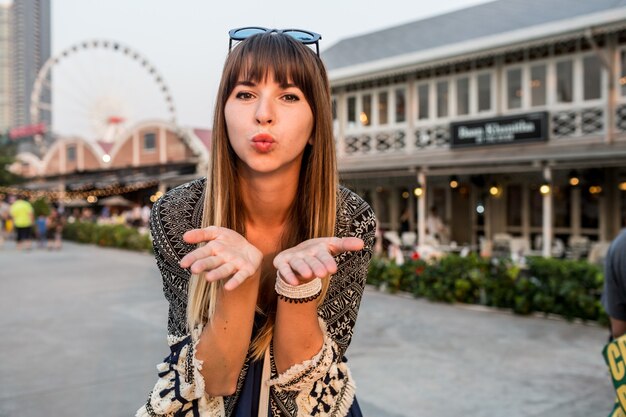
[[109, 235], [570, 289]]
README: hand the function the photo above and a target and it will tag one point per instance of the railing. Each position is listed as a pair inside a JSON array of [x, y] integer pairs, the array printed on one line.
[[565, 122]]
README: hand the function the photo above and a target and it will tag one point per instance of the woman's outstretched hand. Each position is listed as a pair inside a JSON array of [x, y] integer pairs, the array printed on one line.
[[313, 258], [226, 254]]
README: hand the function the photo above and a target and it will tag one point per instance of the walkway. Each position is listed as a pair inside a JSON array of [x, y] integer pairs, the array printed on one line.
[[84, 327]]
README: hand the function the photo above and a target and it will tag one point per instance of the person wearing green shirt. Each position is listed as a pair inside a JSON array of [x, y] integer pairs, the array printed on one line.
[[23, 216]]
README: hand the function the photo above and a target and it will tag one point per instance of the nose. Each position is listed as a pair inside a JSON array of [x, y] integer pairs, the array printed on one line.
[[264, 111]]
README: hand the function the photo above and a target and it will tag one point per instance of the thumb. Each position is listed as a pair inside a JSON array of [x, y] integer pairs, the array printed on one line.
[[346, 244], [207, 234]]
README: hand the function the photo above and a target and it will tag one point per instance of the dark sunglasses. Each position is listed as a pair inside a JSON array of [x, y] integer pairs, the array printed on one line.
[[304, 36]]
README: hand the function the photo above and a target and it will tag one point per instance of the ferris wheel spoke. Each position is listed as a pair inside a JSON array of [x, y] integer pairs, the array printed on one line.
[[97, 87]]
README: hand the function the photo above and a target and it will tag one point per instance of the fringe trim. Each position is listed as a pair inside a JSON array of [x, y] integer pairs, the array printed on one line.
[[185, 374], [197, 363], [349, 392], [301, 376], [337, 395]]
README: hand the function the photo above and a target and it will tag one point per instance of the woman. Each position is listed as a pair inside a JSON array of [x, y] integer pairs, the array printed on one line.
[[264, 262]]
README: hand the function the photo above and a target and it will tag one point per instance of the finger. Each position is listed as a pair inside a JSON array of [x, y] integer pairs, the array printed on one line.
[[318, 268], [346, 244], [328, 261], [236, 280], [206, 234], [223, 271], [287, 275], [206, 264], [195, 255], [299, 266]]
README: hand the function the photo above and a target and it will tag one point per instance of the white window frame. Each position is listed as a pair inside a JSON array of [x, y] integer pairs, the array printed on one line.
[[374, 121], [492, 93]]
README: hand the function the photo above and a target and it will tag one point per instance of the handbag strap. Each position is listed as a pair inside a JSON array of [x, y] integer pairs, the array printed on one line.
[[264, 397]]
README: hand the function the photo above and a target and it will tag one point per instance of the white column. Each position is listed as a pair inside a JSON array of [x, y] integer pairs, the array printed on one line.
[[421, 209], [136, 149], [342, 115], [162, 145], [411, 115], [547, 215], [80, 156]]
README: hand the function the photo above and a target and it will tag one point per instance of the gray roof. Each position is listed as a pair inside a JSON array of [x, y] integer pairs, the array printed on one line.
[[475, 22]]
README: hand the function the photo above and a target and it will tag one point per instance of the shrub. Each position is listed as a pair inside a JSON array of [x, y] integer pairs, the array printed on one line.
[[571, 289], [107, 235]]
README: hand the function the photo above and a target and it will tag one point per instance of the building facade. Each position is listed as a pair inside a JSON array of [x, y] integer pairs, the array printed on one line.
[[508, 117], [31, 42], [6, 113], [151, 156]]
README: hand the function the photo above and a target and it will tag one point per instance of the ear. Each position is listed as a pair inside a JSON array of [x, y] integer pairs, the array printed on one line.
[[310, 141]]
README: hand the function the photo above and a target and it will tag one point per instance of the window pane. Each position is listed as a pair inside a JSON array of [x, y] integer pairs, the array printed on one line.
[[514, 205], [462, 96], [589, 210], [400, 105], [561, 206], [442, 99], [422, 93], [484, 92], [334, 108], [564, 82], [149, 141], [592, 76], [351, 111], [71, 153], [536, 207], [514, 88], [383, 108], [366, 112], [538, 85]]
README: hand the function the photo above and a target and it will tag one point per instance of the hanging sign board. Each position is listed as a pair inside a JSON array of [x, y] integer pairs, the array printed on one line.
[[520, 128]]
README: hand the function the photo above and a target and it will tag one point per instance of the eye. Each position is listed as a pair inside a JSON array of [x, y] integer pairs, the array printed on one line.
[[291, 97], [244, 95]]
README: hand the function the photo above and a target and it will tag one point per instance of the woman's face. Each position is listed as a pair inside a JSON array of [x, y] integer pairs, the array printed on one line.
[[268, 125]]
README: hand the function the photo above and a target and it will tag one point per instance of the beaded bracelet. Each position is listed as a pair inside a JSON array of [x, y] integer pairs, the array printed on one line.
[[298, 293]]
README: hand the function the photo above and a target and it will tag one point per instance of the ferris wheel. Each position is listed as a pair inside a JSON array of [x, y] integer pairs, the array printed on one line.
[[97, 89]]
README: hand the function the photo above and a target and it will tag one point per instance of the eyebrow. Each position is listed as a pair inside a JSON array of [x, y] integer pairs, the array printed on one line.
[[248, 83]]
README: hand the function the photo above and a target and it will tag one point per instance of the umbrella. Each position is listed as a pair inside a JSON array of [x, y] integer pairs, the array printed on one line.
[[116, 200], [75, 203]]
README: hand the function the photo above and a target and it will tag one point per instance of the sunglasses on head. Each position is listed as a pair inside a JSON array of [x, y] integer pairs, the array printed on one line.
[[303, 36]]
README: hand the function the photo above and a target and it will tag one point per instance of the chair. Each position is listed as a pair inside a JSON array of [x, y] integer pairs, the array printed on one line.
[[408, 238], [519, 246], [502, 245], [597, 252], [578, 247]]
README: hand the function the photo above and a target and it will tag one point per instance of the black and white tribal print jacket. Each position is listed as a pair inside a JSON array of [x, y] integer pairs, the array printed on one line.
[[321, 386]]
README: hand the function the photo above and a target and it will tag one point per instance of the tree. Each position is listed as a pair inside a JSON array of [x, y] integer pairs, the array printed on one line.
[[8, 150]]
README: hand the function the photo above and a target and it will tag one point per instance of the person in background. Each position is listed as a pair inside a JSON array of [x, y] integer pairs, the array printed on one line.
[[55, 230], [5, 217], [614, 293], [23, 217], [41, 226], [264, 261]]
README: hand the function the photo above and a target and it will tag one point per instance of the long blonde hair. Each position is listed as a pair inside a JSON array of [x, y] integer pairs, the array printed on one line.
[[313, 212]]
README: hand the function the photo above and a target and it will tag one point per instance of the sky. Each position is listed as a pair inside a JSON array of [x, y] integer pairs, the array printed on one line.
[[187, 41]]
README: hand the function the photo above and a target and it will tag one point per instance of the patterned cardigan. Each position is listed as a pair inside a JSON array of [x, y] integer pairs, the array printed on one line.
[[321, 386]]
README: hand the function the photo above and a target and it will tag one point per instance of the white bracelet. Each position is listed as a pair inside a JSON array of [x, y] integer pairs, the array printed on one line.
[[298, 293]]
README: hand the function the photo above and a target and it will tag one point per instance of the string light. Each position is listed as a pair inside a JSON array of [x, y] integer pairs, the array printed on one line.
[[79, 194]]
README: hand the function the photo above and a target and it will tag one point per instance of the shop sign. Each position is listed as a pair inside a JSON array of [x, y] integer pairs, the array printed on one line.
[[520, 128]]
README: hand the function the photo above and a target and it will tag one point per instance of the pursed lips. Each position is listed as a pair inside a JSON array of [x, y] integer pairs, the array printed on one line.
[[263, 142]]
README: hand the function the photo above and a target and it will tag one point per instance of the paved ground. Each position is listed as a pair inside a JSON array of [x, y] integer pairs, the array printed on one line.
[[83, 328]]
